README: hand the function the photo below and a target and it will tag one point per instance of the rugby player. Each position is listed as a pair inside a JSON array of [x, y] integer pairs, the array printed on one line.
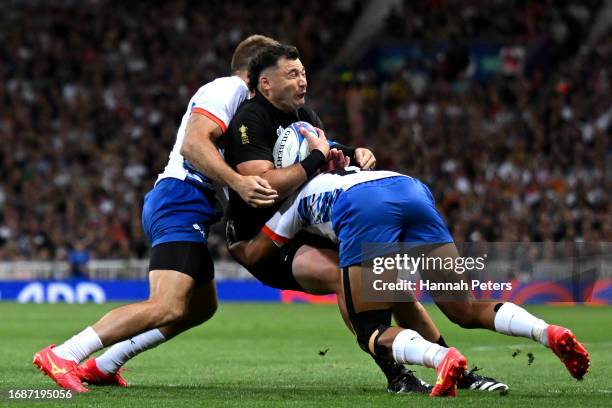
[[307, 264], [177, 214], [351, 207]]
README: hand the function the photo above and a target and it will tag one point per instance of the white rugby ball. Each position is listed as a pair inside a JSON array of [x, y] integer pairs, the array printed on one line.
[[291, 147]]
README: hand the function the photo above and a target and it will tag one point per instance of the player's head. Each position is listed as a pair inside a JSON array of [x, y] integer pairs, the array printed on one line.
[[279, 75], [247, 49]]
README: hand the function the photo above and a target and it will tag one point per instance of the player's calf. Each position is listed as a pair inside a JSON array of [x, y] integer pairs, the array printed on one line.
[[513, 320], [408, 347], [404, 346]]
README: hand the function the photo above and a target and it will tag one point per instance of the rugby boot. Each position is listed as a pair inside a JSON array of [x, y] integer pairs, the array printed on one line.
[[571, 352], [450, 371], [473, 381], [400, 380], [91, 374], [63, 372]]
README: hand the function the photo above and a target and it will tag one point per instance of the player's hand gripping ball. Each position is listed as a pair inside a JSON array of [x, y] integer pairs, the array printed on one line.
[[291, 147]]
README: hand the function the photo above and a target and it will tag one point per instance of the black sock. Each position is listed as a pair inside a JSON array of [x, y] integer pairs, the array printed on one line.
[[391, 369], [442, 342]]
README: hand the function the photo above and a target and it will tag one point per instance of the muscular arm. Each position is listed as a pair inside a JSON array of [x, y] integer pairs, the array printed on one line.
[[285, 181], [199, 149], [249, 253]]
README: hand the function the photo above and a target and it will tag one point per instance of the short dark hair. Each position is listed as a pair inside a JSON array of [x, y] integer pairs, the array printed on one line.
[[268, 57], [247, 49]]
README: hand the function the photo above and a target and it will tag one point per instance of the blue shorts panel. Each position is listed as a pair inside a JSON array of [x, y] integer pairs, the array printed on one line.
[[386, 211], [176, 211]]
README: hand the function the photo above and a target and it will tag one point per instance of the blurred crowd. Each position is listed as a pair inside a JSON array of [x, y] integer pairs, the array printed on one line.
[[92, 94], [525, 156], [508, 21]]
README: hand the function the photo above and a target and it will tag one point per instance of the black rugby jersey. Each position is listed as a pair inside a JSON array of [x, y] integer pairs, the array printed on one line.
[[251, 135]]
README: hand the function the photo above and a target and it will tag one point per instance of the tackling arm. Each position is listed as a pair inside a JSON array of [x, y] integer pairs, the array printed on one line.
[[199, 149], [249, 253], [287, 180]]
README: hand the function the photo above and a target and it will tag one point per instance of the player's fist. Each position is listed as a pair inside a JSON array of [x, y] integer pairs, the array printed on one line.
[[318, 142], [255, 191], [365, 158]]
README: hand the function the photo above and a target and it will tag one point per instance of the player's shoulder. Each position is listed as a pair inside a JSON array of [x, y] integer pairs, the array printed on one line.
[[227, 82], [224, 86], [306, 111], [307, 114], [250, 109]]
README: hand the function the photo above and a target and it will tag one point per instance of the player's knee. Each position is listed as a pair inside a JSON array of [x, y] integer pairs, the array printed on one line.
[[169, 313], [176, 313], [369, 326], [330, 279], [203, 314], [317, 271]]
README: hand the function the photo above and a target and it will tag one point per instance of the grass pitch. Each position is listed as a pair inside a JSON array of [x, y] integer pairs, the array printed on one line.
[[266, 355]]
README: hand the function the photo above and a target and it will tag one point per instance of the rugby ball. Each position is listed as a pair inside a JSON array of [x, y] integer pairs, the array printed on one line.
[[291, 147]]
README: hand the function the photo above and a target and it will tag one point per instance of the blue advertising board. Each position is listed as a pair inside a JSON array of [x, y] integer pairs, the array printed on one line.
[[101, 291]]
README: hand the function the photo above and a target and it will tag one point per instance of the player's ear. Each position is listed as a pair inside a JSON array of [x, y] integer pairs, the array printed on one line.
[[264, 83]]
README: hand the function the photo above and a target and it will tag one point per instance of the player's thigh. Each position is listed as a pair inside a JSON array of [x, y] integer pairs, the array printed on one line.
[[352, 282], [176, 217], [316, 270], [457, 305], [170, 287], [277, 270], [178, 271]]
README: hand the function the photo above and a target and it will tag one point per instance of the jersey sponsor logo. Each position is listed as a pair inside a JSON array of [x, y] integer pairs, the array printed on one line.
[[199, 229], [244, 138]]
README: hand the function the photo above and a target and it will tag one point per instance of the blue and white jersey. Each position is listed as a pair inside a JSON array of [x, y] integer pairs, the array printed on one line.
[[311, 207], [218, 100]]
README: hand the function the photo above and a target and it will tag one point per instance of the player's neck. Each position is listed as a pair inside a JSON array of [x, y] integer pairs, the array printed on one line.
[[244, 75], [274, 103]]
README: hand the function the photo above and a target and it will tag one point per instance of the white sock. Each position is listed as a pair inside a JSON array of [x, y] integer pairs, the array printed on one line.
[[410, 348], [120, 353], [513, 320], [79, 346]]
